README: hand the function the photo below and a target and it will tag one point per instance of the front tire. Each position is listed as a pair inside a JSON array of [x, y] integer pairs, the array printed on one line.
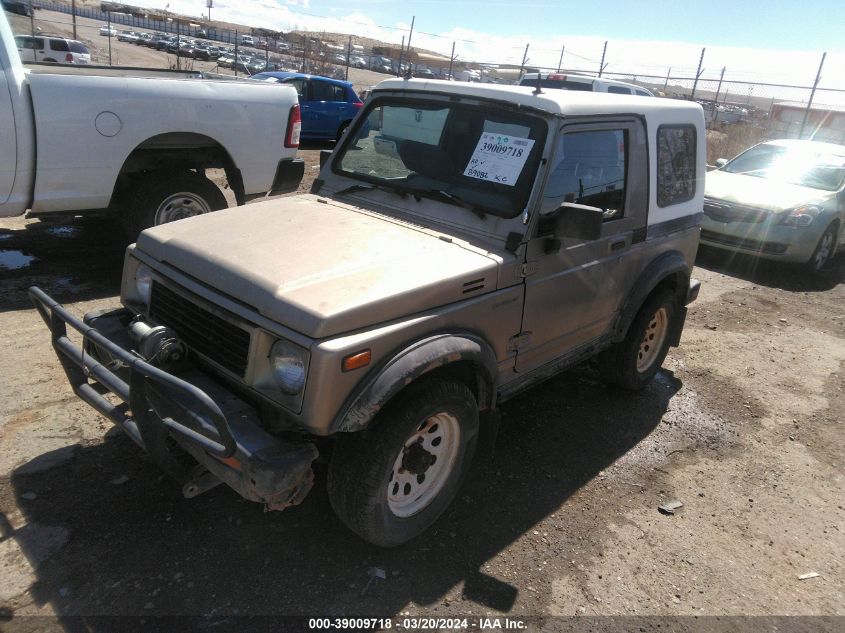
[[160, 197], [633, 362], [825, 249], [391, 482]]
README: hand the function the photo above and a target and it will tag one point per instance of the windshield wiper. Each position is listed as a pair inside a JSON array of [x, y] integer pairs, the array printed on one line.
[[451, 198], [400, 191]]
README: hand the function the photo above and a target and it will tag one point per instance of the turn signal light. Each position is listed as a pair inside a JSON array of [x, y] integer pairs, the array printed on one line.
[[356, 361]]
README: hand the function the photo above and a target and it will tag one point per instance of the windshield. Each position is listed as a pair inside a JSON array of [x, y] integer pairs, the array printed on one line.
[[805, 166], [482, 155]]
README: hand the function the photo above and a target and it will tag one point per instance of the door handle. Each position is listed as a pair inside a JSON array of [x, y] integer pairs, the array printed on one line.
[[618, 245]]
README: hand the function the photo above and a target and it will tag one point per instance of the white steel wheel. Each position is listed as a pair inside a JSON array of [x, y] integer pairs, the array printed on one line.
[[653, 339], [424, 465], [180, 205]]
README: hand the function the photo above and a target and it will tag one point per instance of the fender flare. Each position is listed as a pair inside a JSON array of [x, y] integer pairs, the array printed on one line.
[[668, 265], [409, 364]]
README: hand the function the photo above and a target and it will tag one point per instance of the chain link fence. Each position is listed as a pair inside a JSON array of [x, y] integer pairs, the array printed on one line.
[[738, 112]]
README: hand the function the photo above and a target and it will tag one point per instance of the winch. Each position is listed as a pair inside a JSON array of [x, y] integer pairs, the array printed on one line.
[[157, 344]]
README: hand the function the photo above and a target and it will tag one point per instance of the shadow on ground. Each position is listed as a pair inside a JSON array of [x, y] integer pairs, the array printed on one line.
[[136, 547], [76, 260], [791, 277]]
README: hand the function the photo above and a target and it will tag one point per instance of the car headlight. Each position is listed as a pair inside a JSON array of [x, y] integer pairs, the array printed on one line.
[[144, 283], [288, 362], [801, 216]]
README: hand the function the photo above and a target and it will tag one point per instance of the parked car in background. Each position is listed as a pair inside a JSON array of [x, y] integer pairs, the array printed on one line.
[[127, 36], [108, 31], [328, 105], [201, 52], [356, 61], [586, 83], [781, 200], [20, 7], [42, 48]]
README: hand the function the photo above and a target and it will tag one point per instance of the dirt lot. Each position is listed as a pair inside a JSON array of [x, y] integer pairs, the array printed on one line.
[[744, 426]]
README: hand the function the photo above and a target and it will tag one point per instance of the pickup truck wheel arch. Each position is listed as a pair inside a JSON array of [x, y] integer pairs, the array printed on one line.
[[668, 271], [467, 357], [177, 151]]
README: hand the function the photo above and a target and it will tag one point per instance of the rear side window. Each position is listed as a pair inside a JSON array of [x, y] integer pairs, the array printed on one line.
[[78, 47], [59, 45], [324, 91], [642, 93], [30, 43], [619, 90], [299, 84], [676, 150]]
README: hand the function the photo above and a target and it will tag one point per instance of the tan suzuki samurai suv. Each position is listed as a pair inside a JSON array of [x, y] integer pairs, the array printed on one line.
[[462, 243]]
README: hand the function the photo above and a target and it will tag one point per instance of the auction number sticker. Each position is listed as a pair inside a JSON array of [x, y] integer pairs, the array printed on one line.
[[499, 158]]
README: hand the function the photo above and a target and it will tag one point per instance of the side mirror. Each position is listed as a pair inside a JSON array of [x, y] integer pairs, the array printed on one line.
[[721, 162], [578, 221], [325, 154]]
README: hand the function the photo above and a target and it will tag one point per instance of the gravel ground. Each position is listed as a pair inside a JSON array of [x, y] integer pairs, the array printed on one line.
[[744, 426]]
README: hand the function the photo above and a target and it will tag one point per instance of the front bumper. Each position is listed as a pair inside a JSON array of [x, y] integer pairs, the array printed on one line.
[[220, 431], [765, 239]]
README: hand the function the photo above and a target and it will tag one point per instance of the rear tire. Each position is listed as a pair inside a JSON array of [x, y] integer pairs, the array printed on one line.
[[160, 197], [342, 130], [391, 482], [633, 362]]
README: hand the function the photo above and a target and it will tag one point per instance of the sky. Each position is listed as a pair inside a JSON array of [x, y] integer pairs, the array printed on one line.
[[777, 41]]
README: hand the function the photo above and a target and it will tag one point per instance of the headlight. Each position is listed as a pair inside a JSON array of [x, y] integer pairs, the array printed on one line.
[[288, 362], [144, 283], [801, 216]]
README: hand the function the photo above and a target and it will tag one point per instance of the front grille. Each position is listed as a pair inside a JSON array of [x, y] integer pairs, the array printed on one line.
[[752, 245], [732, 212], [205, 333]]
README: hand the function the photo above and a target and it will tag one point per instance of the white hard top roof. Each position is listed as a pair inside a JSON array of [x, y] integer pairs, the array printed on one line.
[[559, 102]]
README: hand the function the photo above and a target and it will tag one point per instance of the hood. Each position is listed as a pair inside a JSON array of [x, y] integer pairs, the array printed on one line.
[[759, 192], [319, 267]]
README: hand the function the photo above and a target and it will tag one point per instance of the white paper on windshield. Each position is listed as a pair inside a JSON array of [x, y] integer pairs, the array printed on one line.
[[499, 158]]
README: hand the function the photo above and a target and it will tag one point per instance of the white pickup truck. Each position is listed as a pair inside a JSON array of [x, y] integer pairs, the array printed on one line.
[[137, 143]]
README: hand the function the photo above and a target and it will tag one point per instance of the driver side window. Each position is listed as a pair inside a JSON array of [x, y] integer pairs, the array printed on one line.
[[590, 168]]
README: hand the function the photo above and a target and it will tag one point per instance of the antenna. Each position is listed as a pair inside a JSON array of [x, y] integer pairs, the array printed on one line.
[[539, 89]]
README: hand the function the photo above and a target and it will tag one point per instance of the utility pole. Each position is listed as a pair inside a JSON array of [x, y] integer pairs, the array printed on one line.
[[73, 16], [697, 74], [108, 15], [524, 61], [812, 94], [401, 53], [451, 61], [348, 54], [602, 64], [716, 98], [31, 19], [560, 61]]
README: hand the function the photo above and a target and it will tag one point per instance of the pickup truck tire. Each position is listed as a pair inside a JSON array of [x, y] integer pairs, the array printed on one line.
[[390, 482], [161, 197], [633, 362]]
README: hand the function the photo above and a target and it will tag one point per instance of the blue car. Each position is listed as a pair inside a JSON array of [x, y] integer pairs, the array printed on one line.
[[327, 105]]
